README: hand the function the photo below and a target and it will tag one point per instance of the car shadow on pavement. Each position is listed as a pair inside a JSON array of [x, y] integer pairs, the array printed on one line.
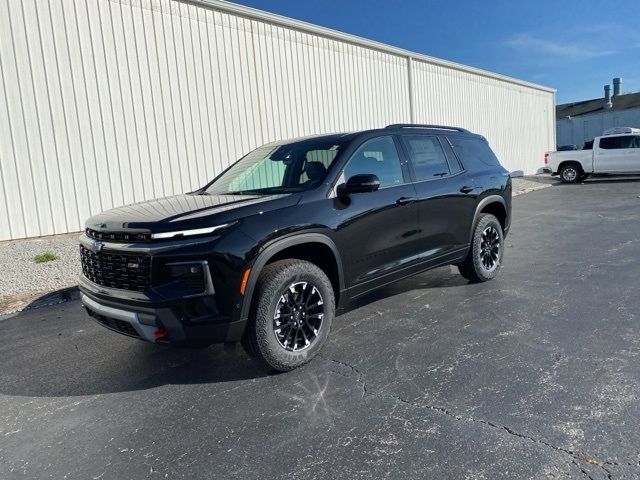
[[60, 352], [442, 277], [90, 360]]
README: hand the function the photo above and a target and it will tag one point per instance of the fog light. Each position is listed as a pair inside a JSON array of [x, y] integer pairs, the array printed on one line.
[[191, 274]]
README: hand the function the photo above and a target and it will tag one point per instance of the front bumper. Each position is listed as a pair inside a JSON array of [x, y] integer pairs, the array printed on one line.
[[177, 321]]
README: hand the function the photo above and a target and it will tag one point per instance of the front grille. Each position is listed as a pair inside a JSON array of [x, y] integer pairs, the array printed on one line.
[[119, 326], [118, 236], [117, 270]]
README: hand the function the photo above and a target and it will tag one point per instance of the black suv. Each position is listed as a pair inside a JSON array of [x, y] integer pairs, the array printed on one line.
[[267, 251]]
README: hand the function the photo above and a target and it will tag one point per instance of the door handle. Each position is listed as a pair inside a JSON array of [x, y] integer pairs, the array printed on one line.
[[467, 189], [405, 200]]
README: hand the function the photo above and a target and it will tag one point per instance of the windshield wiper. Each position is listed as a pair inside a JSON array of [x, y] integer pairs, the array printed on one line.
[[245, 192]]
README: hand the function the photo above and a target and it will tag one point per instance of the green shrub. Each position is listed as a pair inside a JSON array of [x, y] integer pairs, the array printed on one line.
[[45, 257]]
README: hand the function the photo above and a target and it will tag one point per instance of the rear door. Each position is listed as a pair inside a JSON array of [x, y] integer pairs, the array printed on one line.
[[445, 193]]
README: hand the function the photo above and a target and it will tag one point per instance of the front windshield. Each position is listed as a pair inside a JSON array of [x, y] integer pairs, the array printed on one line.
[[290, 168]]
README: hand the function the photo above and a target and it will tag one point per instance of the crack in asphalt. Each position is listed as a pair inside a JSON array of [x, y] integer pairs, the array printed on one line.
[[575, 456]]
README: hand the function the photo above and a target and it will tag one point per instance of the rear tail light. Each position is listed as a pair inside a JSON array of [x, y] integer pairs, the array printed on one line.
[[546, 159]]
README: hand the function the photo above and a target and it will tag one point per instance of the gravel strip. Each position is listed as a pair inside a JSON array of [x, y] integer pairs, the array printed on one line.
[[531, 183], [22, 275]]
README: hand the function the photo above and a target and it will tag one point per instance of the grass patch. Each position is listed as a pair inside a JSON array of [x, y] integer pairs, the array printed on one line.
[[45, 257]]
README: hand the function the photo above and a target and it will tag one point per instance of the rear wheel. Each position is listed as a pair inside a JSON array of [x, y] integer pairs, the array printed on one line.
[[485, 255], [291, 315], [570, 174]]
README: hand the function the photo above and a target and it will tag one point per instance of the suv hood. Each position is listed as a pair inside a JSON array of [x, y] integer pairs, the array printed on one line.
[[187, 211]]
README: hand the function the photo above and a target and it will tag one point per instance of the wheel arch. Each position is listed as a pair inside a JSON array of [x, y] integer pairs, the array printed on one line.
[[496, 206], [565, 163], [291, 247]]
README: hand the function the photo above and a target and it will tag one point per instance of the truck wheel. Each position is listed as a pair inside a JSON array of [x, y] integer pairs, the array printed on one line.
[[291, 314], [485, 255], [570, 174]]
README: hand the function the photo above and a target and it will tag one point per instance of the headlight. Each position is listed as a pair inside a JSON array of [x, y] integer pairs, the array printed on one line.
[[188, 233]]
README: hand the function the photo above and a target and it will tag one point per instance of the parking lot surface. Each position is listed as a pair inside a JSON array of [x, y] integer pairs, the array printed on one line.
[[533, 375]]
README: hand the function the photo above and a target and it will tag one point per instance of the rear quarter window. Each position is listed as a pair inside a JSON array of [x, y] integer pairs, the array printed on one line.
[[473, 151]]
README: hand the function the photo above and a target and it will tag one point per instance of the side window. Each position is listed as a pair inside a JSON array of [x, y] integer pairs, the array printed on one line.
[[427, 157], [316, 161], [616, 143], [378, 156], [636, 142], [474, 152]]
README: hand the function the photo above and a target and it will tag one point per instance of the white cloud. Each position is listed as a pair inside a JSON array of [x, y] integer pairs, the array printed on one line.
[[532, 45]]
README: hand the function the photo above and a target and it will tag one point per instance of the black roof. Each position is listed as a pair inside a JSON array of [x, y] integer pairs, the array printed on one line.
[[347, 136], [625, 101]]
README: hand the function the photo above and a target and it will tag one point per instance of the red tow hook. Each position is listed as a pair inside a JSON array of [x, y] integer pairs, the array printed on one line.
[[160, 334]]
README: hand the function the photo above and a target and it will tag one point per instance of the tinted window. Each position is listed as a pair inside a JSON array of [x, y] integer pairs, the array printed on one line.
[[378, 156], [473, 151], [427, 157], [614, 143], [636, 142]]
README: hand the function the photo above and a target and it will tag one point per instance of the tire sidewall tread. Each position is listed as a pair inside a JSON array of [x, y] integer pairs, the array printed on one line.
[[472, 268], [259, 339]]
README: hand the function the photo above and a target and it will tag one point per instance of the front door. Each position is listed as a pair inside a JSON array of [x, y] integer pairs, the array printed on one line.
[[612, 155], [632, 154], [377, 231]]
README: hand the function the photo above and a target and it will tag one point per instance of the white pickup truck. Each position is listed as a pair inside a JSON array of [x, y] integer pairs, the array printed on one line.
[[613, 153]]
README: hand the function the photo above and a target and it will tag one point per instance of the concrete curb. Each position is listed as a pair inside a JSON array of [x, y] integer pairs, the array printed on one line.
[[531, 189], [20, 303]]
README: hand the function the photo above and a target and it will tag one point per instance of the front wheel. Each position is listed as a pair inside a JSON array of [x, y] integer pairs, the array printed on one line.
[[291, 315], [570, 174], [485, 255]]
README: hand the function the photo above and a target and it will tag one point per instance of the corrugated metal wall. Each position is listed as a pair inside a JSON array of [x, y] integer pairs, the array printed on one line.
[[517, 121], [583, 128], [107, 102]]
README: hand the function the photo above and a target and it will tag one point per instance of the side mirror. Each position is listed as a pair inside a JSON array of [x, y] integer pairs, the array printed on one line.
[[365, 182]]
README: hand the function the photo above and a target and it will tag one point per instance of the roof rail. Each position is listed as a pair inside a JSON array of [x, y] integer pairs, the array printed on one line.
[[420, 125]]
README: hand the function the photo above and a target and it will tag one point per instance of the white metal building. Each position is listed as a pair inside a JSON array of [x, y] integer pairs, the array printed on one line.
[[108, 102], [580, 122]]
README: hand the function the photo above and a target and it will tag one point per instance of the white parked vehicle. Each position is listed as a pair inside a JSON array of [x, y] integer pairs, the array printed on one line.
[[613, 153]]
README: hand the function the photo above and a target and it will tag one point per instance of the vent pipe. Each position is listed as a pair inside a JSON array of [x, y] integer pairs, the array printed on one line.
[[607, 97], [617, 84]]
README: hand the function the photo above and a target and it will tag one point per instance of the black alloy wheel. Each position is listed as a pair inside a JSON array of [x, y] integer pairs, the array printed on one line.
[[298, 317]]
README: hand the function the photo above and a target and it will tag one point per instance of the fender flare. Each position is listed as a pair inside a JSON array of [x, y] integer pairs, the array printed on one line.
[[277, 246], [483, 203], [576, 162]]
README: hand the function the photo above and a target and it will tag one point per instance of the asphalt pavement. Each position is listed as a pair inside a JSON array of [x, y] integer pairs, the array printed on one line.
[[533, 375]]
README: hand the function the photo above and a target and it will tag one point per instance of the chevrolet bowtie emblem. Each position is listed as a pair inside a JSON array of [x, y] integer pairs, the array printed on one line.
[[96, 246]]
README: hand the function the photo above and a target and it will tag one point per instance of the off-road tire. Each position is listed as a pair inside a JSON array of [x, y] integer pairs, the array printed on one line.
[[472, 268], [260, 340]]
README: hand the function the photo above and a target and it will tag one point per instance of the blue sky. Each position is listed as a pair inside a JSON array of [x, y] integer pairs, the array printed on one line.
[[573, 46]]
